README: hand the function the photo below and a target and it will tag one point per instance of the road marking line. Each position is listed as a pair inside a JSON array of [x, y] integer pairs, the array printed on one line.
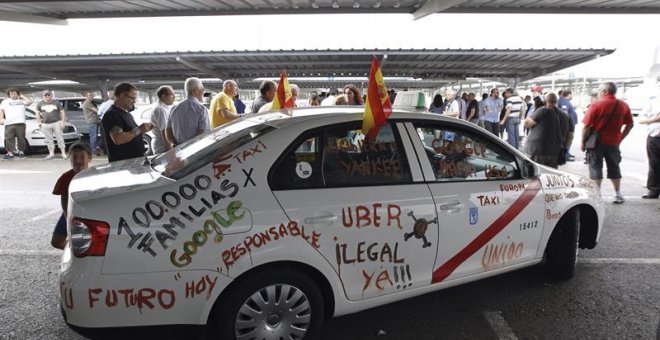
[[30, 252], [607, 260], [499, 326], [44, 215]]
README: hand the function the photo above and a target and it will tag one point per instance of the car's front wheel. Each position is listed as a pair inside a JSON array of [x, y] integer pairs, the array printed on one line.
[[562, 251], [270, 304]]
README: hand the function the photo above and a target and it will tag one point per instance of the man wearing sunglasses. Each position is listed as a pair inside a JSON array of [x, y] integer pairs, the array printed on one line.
[[124, 138]]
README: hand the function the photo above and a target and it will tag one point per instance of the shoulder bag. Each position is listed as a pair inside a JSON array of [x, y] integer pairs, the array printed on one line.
[[594, 137]]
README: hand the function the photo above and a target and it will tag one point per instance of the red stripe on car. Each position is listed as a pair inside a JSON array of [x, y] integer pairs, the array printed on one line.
[[495, 228]]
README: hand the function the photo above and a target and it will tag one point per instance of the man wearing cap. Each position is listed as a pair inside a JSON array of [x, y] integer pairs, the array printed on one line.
[[51, 118], [91, 113], [222, 108]]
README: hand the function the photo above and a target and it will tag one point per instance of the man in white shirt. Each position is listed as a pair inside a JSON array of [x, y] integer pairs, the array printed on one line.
[[453, 108], [12, 115], [651, 116], [511, 120]]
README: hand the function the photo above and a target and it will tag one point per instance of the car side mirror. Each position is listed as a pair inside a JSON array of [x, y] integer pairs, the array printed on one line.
[[530, 169]]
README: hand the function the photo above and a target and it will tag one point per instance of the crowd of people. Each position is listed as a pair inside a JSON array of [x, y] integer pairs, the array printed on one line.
[[549, 124], [548, 120]]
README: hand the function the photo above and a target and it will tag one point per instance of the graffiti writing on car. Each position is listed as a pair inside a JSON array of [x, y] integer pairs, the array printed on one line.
[[200, 191], [335, 145], [558, 181], [497, 255], [494, 172], [550, 215], [455, 168], [203, 286], [385, 166], [467, 147], [130, 297], [363, 216], [258, 240], [250, 152], [234, 212], [67, 295]]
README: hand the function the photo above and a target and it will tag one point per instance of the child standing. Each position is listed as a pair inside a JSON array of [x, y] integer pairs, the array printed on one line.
[[80, 155]]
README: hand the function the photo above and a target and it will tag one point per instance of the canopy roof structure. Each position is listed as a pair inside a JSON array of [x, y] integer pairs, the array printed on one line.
[[410, 68], [56, 12]]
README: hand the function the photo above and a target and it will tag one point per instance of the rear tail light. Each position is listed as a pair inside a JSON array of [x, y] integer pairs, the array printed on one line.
[[89, 237]]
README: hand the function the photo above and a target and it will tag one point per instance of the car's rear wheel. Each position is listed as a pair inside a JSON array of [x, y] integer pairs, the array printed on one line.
[[562, 251], [270, 304]]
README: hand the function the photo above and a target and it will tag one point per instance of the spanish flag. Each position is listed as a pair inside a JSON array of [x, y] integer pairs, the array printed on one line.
[[283, 97], [377, 107]]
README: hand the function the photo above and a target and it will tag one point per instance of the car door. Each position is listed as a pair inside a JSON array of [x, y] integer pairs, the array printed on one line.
[[368, 201], [490, 216]]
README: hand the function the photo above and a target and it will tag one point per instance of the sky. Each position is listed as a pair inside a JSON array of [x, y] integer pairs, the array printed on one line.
[[634, 37]]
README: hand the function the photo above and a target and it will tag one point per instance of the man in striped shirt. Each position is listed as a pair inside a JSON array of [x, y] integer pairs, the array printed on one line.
[[511, 120], [189, 118]]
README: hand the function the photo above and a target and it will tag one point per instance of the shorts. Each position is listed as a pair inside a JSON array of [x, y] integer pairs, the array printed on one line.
[[612, 156], [60, 227]]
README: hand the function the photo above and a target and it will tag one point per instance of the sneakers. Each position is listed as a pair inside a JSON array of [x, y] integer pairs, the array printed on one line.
[[21, 155], [652, 194], [99, 152], [618, 199], [64, 157], [8, 156], [49, 157]]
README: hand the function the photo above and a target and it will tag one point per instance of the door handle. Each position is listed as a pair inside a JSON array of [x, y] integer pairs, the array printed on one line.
[[451, 206], [321, 219]]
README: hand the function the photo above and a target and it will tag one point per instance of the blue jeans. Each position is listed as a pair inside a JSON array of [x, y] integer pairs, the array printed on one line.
[[93, 131], [512, 131]]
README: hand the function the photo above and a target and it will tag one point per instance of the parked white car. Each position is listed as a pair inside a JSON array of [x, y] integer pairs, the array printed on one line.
[[270, 224], [35, 138]]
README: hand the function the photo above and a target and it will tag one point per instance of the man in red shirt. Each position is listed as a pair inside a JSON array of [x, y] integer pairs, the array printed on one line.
[[606, 117]]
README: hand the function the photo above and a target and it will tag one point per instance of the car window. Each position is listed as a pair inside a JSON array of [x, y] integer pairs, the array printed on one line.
[[72, 105], [349, 159], [461, 155], [341, 156], [300, 167]]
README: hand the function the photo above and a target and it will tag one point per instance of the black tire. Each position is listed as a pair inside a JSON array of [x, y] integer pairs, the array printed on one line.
[[223, 321], [562, 250]]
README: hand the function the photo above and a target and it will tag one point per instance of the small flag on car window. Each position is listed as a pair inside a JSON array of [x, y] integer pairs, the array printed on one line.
[[377, 107], [283, 96]]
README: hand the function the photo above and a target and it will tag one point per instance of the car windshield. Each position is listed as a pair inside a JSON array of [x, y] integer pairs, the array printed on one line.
[[203, 149]]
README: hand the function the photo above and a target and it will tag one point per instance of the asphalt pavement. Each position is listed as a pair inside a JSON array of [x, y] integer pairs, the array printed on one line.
[[615, 293]]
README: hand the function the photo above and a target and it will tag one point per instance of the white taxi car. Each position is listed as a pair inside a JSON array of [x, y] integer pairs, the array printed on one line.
[[265, 227]]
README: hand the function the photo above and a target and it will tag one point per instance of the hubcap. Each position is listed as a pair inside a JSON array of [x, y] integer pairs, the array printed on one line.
[[278, 311]]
